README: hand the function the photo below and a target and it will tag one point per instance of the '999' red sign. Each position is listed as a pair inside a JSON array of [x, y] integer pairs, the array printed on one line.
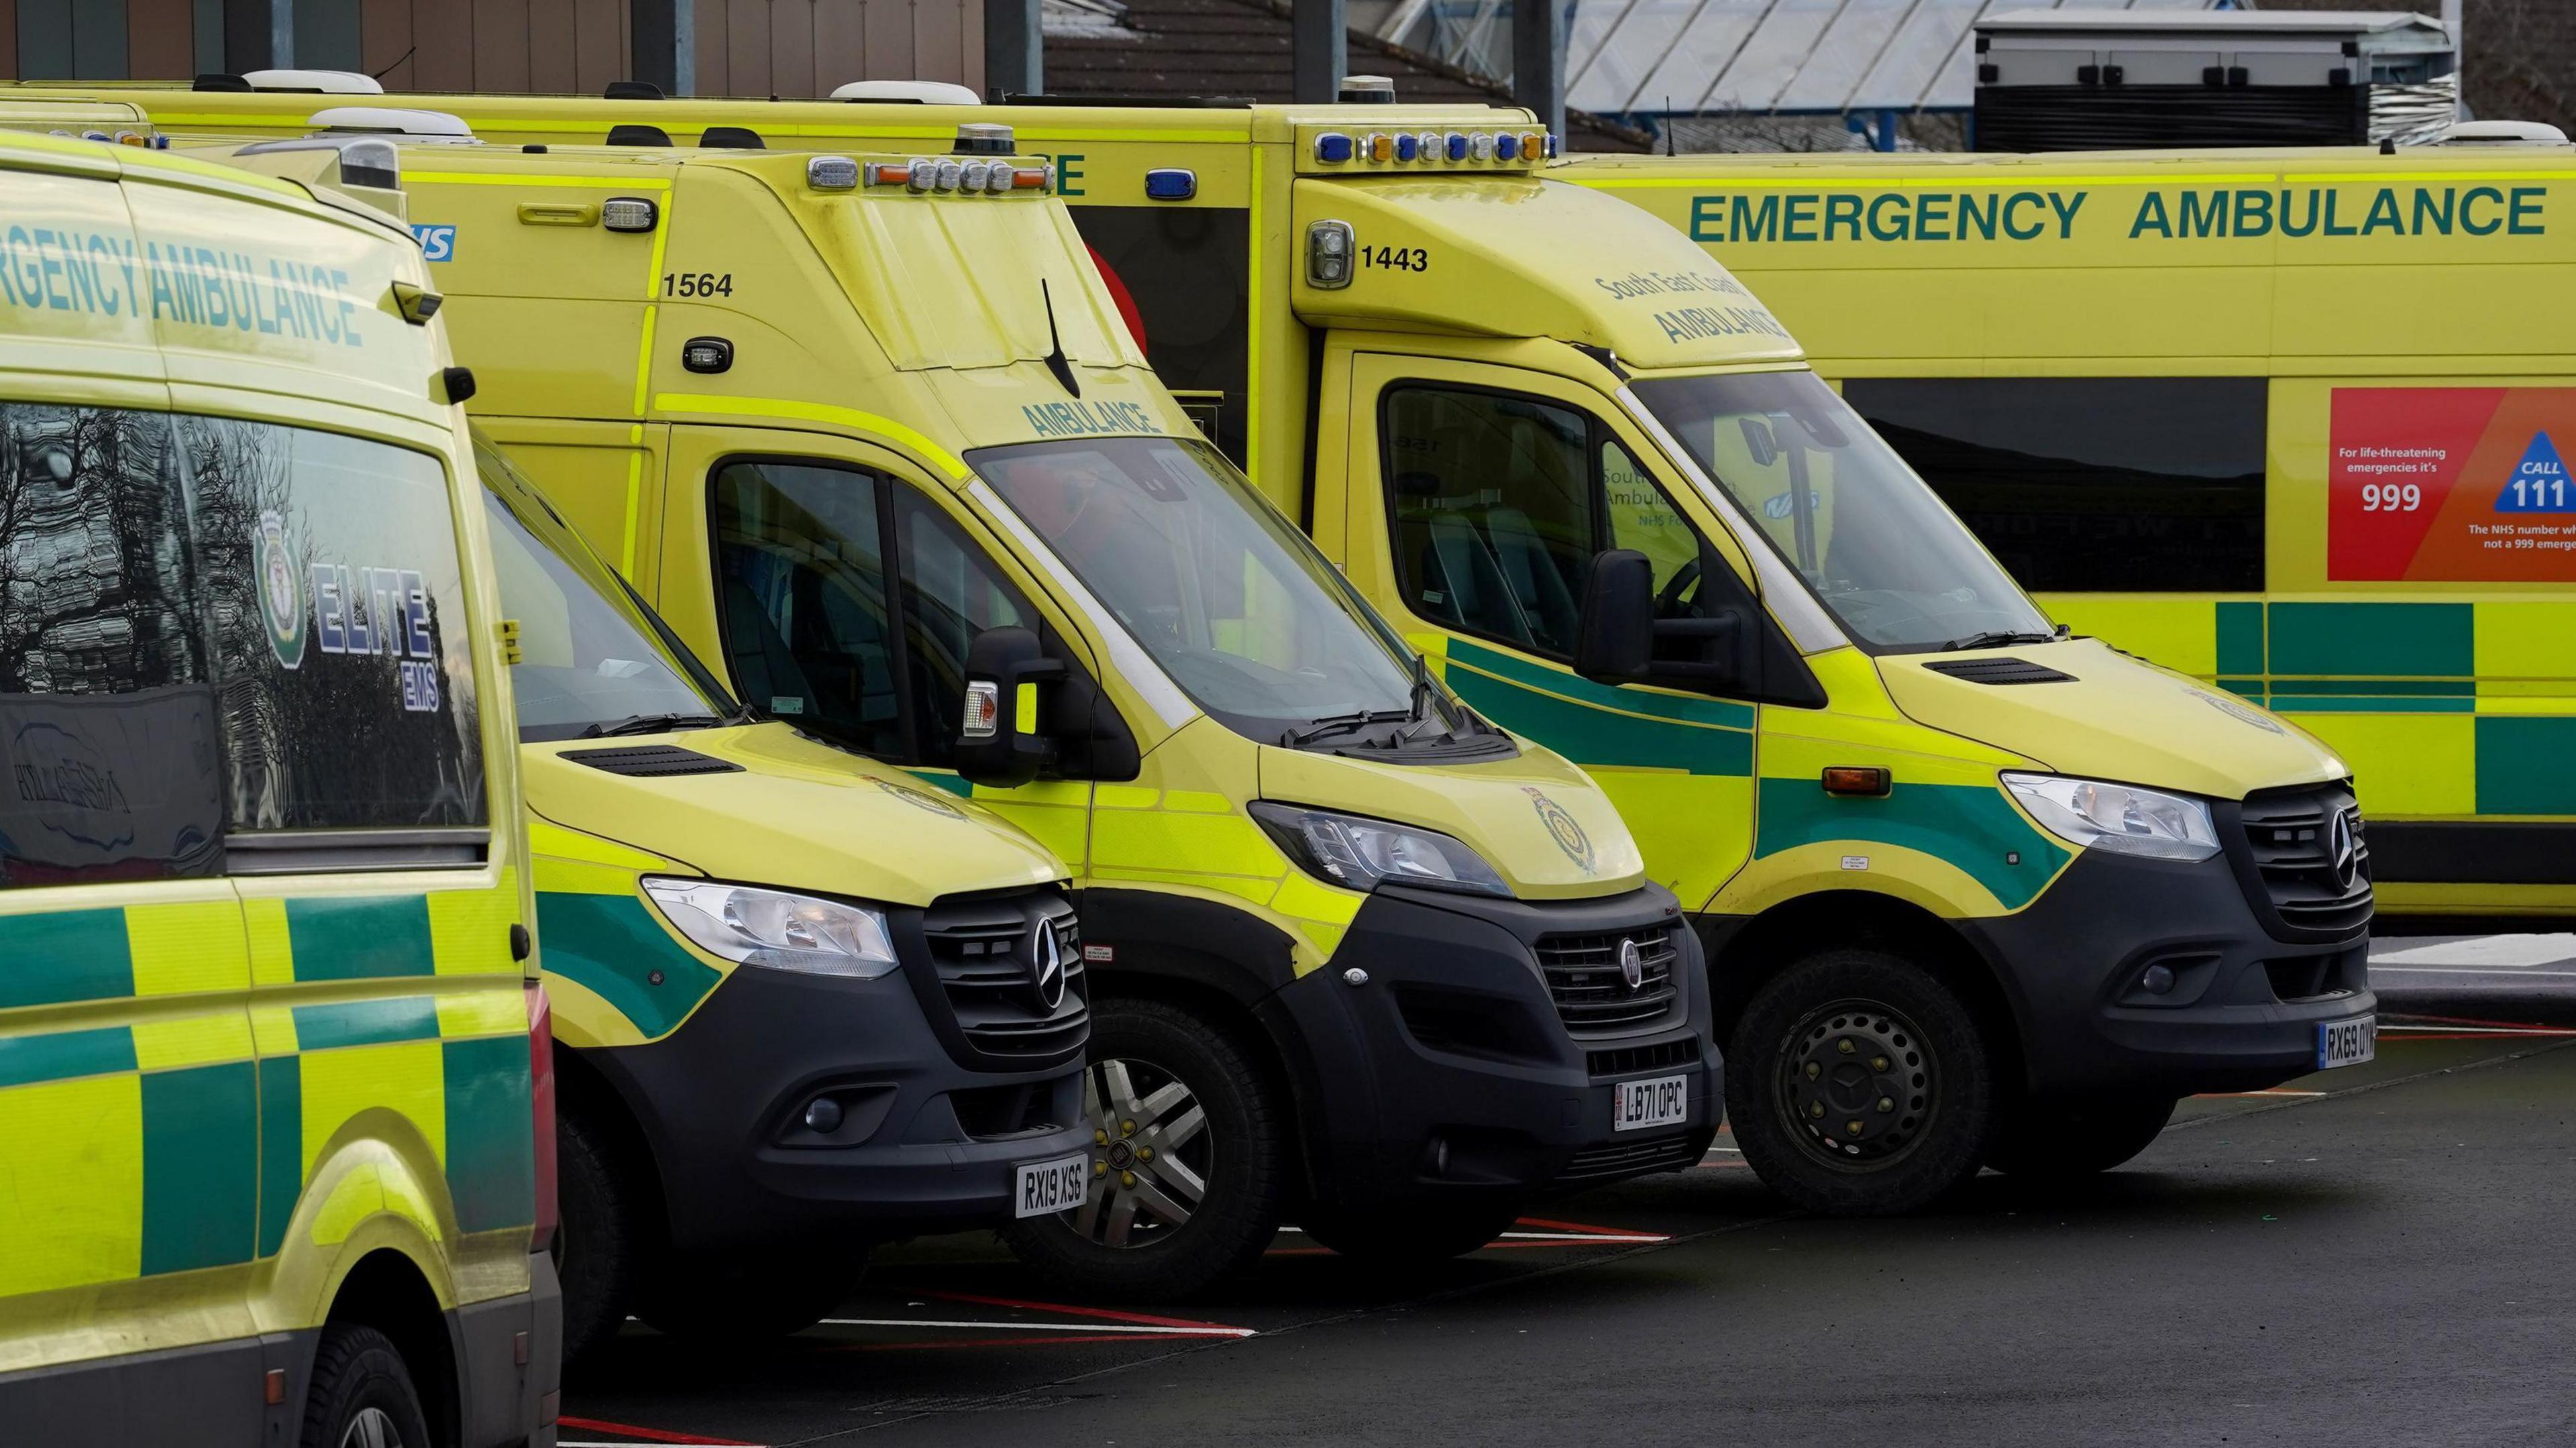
[[2451, 485]]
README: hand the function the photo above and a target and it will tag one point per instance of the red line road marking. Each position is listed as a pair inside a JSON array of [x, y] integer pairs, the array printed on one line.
[[649, 1435], [1103, 1313], [1050, 1340], [1584, 1227]]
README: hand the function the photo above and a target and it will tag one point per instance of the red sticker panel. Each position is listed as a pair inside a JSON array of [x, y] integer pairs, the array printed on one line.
[[2451, 485]]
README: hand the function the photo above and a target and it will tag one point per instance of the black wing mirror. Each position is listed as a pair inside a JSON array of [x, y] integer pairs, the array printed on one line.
[[1000, 741], [1615, 640]]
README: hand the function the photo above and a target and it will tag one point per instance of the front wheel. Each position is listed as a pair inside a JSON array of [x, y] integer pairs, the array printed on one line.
[[1395, 1237], [1189, 1161], [598, 1239], [1860, 1085], [362, 1394], [2062, 1140]]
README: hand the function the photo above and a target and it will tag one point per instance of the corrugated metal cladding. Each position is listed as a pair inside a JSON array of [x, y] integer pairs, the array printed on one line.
[[1686, 57], [745, 47]]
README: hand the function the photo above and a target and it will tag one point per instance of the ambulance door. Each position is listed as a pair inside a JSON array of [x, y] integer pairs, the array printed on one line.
[[604, 477], [836, 588], [1476, 498]]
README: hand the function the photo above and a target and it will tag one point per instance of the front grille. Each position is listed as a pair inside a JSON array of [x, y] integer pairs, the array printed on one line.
[[1628, 1158], [989, 1113], [2312, 978], [982, 951], [1590, 988], [2290, 839], [1630, 1060]]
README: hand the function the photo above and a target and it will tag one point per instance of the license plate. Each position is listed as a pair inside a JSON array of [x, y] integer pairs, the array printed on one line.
[[1662, 1101], [2347, 1043], [1048, 1187]]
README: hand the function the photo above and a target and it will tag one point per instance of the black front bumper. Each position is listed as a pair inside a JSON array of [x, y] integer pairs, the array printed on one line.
[[1450, 1074], [924, 1143], [2241, 1014]]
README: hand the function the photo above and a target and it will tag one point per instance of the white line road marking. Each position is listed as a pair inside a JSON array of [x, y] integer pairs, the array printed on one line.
[[1585, 1237], [642, 1443], [2494, 972], [2484, 1030], [2509, 951], [1045, 1326]]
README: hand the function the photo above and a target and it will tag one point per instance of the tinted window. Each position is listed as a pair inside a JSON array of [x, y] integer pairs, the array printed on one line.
[[950, 594], [2092, 484], [107, 707], [1494, 522], [334, 610], [801, 579]]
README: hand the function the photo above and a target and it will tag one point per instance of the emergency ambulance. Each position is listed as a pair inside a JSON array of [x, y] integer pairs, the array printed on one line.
[[2296, 423], [276, 1094], [1972, 891], [869, 431], [782, 1035]]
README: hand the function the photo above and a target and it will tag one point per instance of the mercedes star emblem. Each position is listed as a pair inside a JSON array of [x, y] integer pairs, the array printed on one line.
[[1046, 964]]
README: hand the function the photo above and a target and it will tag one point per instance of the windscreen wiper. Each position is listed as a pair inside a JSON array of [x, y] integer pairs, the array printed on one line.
[[651, 724], [1333, 724], [1993, 638]]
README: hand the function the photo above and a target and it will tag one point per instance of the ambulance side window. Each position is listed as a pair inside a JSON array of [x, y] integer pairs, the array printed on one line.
[[107, 705], [1491, 497], [335, 621], [951, 593], [801, 593]]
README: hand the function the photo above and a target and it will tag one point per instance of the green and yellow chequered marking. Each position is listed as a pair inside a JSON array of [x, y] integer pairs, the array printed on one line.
[[172, 1071], [2454, 709], [618, 976]]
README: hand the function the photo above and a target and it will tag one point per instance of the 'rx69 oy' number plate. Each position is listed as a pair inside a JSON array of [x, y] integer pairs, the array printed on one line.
[[1661, 1101], [2347, 1043], [1048, 1187]]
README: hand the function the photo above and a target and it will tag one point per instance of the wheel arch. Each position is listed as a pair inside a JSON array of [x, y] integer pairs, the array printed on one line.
[[1266, 1035], [387, 1291], [583, 1088], [1745, 952]]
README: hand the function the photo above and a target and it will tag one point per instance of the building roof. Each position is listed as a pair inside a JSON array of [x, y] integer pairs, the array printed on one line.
[[1693, 57], [1168, 50]]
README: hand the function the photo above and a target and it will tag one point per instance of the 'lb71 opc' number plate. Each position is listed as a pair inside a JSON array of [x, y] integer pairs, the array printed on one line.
[[1661, 1101]]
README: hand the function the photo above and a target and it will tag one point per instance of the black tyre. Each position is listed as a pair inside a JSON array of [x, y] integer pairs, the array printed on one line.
[[1394, 1237], [1860, 1085], [598, 1242], [748, 1300], [1190, 1162], [362, 1394], [2066, 1139]]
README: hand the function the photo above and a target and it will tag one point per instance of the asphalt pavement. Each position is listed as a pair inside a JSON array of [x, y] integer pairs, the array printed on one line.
[[2374, 1255]]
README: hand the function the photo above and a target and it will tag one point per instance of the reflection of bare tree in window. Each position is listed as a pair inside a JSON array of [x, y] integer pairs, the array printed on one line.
[[94, 572]]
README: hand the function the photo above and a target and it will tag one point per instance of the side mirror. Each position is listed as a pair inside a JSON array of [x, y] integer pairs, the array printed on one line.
[[1000, 741], [1615, 639]]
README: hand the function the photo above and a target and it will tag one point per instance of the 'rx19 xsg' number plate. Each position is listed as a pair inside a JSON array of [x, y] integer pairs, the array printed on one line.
[[1048, 1187], [1659, 1101]]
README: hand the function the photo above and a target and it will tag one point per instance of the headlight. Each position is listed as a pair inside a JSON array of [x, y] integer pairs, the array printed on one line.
[[2118, 817], [776, 929], [1357, 853]]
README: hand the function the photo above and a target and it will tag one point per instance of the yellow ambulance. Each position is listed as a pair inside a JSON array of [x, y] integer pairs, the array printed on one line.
[[1971, 891], [782, 1035], [276, 1095], [868, 431], [2296, 423]]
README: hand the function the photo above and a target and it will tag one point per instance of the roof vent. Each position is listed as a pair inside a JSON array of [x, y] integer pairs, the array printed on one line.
[[1368, 90], [216, 80], [631, 135], [631, 90], [651, 761], [314, 82], [2504, 133], [914, 92], [732, 138], [2000, 671], [390, 121]]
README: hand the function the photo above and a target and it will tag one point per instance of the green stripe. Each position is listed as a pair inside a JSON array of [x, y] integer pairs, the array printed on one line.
[[1725, 713], [1971, 826], [2250, 688], [1598, 737], [200, 1167], [2374, 639], [361, 938], [366, 1023], [2448, 688], [612, 945], [2352, 704], [61, 1055], [491, 1138], [954, 783], [281, 1147], [2240, 638], [2526, 764], [64, 955]]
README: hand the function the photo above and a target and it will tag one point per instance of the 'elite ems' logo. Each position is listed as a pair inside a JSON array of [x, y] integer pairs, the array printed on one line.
[[1561, 828], [281, 597]]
